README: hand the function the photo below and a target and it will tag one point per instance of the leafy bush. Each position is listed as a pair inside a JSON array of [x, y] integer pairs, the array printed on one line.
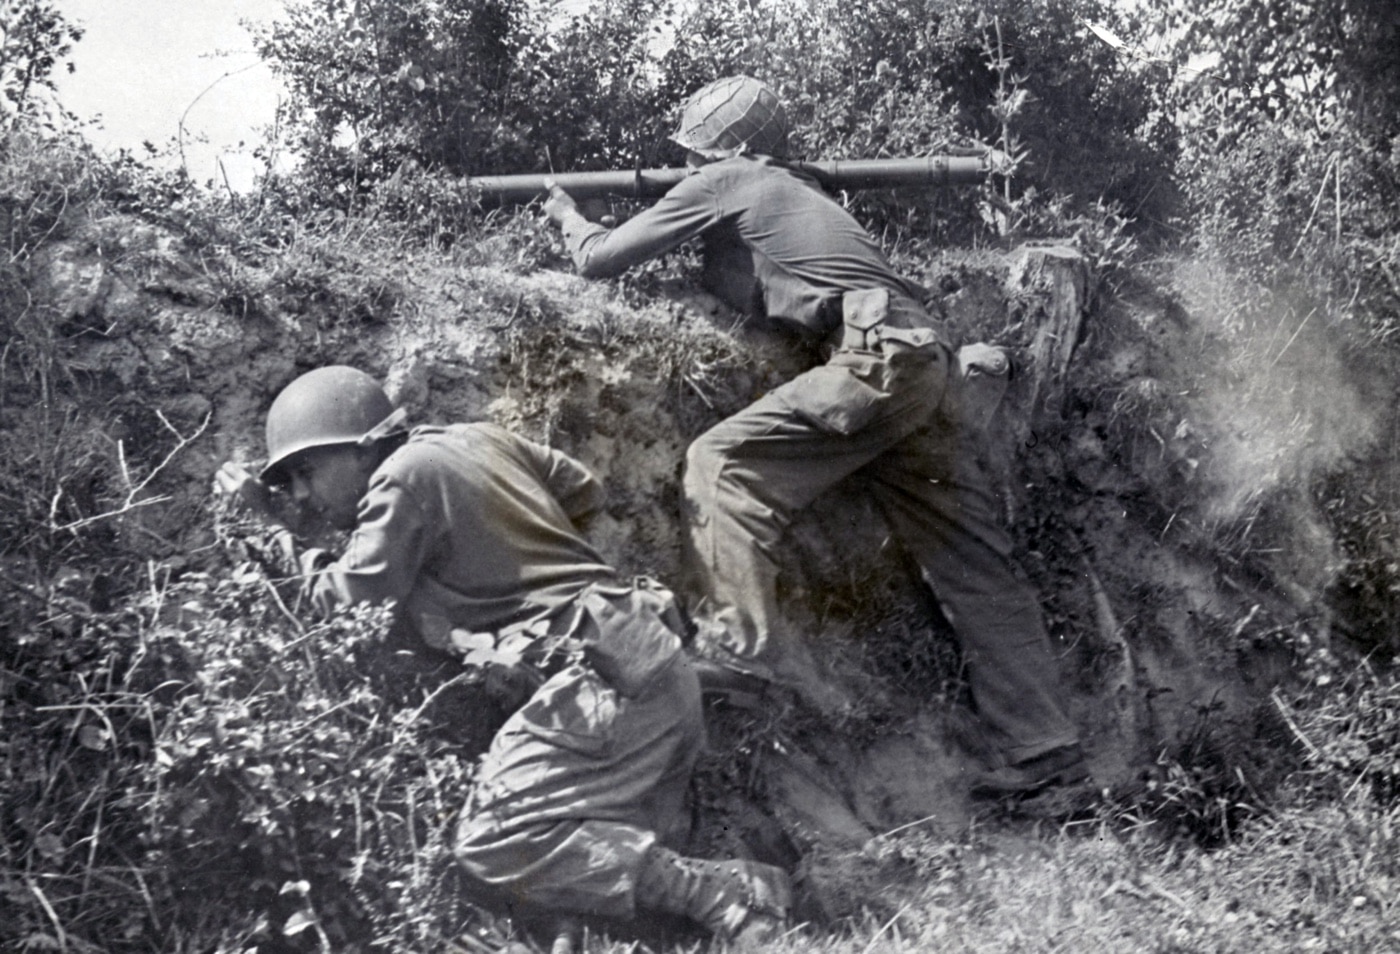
[[34, 37], [1280, 60], [1289, 158], [179, 749], [200, 763], [486, 86]]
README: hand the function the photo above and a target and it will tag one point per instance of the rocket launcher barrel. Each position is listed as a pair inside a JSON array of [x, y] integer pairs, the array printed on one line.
[[924, 171]]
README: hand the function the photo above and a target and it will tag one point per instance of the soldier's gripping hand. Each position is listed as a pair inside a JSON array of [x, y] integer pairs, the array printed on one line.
[[235, 480], [560, 205]]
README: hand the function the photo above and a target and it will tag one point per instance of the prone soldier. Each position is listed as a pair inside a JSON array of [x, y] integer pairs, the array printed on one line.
[[470, 532]]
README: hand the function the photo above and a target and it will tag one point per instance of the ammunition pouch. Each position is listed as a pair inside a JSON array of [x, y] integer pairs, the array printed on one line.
[[874, 320]]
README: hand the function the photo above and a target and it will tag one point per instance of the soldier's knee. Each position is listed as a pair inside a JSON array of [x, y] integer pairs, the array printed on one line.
[[708, 452], [704, 467], [465, 849]]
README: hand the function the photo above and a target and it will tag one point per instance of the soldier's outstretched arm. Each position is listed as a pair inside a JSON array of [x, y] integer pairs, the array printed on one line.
[[382, 560], [600, 252]]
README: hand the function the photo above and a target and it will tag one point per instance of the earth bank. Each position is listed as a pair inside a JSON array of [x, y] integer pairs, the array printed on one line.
[[626, 384], [1154, 477]]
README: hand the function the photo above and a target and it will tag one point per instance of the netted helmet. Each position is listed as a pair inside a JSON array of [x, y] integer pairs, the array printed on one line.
[[333, 405], [733, 115]]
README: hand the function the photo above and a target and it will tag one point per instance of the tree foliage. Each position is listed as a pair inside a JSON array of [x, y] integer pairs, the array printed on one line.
[[485, 86], [912, 77], [1292, 60], [1291, 145], [34, 38], [462, 86]]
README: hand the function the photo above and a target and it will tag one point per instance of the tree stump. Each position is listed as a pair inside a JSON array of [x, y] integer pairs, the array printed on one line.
[[1048, 291]]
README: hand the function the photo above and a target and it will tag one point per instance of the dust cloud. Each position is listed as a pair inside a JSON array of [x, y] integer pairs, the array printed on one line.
[[1280, 392]]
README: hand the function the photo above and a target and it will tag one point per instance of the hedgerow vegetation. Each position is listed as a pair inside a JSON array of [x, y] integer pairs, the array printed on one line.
[[189, 765]]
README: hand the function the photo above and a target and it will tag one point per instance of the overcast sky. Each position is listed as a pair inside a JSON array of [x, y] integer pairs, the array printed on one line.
[[142, 64]]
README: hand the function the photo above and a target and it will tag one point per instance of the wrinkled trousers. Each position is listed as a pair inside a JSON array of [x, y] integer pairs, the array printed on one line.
[[881, 416], [577, 785]]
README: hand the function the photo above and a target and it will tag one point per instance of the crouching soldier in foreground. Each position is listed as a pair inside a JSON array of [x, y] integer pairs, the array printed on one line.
[[470, 532], [887, 406]]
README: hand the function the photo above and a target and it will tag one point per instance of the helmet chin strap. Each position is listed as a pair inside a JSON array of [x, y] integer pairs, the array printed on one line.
[[385, 428]]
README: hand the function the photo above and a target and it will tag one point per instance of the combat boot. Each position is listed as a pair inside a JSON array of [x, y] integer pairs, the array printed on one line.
[[1064, 766], [744, 903]]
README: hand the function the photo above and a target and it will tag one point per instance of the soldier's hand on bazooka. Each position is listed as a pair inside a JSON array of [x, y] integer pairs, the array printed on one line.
[[559, 204]]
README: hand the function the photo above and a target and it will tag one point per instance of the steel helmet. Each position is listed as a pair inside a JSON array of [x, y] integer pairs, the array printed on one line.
[[733, 115], [333, 405]]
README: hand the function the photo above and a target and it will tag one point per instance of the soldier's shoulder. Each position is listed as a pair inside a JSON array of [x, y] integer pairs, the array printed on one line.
[[433, 445], [441, 455]]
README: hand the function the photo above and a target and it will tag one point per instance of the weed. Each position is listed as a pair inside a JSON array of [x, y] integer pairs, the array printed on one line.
[[1197, 789], [205, 744], [1351, 731]]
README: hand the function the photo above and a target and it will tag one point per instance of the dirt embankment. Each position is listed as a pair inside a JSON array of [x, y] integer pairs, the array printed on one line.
[[1162, 537]]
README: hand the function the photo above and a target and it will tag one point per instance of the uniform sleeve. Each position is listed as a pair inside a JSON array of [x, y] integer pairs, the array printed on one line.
[[578, 491], [688, 209], [383, 558]]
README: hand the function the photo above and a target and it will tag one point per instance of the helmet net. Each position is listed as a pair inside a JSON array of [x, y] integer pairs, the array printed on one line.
[[733, 115]]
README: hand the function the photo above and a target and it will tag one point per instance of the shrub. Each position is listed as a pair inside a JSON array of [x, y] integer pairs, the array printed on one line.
[[1289, 158], [485, 86], [201, 763], [186, 766]]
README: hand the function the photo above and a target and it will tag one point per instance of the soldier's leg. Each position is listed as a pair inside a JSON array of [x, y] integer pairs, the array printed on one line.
[[578, 786], [571, 798], [747, 477], [934, 493]]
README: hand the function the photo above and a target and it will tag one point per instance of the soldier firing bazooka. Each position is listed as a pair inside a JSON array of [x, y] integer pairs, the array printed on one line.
[[776, 247], [470, 531]]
